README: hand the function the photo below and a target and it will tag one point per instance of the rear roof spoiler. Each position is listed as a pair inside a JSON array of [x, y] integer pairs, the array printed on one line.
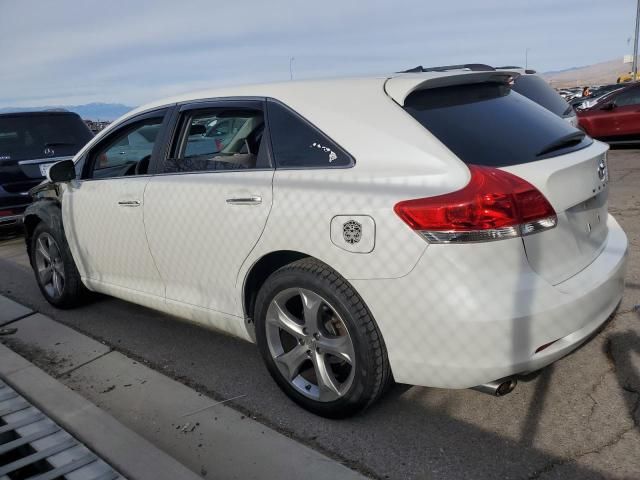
[[474, 67], [401, 86]]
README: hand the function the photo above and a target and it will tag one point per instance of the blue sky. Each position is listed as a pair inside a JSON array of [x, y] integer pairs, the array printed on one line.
[[73, 52]]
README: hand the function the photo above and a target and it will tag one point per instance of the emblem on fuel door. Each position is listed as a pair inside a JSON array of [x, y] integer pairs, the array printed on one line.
[[352, 232]]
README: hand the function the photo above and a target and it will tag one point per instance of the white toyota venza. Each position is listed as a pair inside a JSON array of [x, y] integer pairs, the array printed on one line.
[[435, 229]]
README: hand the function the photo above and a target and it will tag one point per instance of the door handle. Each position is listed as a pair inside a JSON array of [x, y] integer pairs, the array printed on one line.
[[254, 200], [129, 203]]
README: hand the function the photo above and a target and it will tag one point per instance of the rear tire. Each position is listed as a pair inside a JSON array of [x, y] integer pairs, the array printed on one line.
[[56, 272], [319, 341]]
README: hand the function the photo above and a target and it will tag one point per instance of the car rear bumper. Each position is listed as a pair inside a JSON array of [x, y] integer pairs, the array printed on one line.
[[470, 314], [12, 207], [11, 221]]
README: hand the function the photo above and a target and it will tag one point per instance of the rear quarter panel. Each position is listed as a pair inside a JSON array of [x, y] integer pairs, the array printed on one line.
[[395, 159]]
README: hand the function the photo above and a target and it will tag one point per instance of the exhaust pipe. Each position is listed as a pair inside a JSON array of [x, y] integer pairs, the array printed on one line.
[[497, 388]]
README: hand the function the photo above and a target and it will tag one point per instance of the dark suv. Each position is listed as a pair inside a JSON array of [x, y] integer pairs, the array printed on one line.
[[29, 143]]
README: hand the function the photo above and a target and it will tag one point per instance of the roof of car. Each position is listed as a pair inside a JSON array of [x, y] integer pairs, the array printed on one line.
[[354, 112], [297, 92]]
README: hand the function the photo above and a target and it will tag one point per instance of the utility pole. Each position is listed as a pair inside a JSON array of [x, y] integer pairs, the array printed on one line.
[[526, 54], [291, 59], [635, 43]]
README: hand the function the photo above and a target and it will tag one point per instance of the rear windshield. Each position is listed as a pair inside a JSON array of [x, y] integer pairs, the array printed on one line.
[[27, 137], [489, 124], [539, 91]]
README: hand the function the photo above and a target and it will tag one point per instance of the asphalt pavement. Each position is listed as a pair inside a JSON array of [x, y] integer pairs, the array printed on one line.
[[578, 418]]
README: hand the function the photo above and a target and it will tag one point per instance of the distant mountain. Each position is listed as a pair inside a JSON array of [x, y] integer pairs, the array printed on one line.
[[597, 74], [89, 111]]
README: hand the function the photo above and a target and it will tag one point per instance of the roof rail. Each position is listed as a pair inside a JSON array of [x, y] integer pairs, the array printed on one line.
[[475, 67]]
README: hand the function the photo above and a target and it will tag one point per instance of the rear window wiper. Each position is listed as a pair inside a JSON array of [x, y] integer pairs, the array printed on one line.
[[57, 144], [567, 141]]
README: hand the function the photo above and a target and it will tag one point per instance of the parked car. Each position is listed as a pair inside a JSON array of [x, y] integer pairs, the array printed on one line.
[[596, 94], [29, 143], [615, 118], [432, 228], [537, 89]]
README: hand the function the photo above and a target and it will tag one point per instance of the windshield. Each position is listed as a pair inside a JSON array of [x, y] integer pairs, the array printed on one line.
[[490, 124], [536, 89], [26, 137]]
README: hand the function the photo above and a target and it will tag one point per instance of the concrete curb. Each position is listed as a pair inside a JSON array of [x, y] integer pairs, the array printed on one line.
[[125, 450], [202, 434]]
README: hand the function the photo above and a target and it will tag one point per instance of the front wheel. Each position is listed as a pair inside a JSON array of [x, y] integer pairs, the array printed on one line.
[[319, 341], [55, 270]]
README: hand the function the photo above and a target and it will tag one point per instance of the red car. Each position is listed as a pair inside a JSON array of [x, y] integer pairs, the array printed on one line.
[[614, 118]]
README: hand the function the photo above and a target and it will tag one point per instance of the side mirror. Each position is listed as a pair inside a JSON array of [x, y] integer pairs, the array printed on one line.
[[63, 171], [608, 106]]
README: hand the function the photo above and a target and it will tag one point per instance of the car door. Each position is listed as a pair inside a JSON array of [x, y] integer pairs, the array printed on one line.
[[207, 209], [626, 113], [103, 211]]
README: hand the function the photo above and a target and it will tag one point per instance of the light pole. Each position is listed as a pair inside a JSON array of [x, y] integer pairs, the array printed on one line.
[[635, 44], [526, 54], [291, 59]]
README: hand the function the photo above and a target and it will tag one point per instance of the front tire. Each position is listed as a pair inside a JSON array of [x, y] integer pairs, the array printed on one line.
[[56, 272], [319, 341]]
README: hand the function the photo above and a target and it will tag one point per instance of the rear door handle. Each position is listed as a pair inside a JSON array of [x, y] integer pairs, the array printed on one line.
[[129, 203], [253, 200]]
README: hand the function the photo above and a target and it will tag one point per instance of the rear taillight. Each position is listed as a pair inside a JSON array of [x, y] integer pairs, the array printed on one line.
[[494, 205], [6, 213]]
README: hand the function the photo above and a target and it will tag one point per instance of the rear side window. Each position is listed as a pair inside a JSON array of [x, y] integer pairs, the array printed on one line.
[[630, 97], [489, 124], [27, 137], [298, 144], [536, 89]]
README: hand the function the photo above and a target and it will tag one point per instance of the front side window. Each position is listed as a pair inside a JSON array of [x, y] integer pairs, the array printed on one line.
[[220, 139], [298, 144], [127, 151]]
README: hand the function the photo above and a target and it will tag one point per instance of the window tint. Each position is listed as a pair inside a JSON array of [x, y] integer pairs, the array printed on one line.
[[127, 151], [536, 89], [630, 97], [297, 144], [220, 139], [489, 124]]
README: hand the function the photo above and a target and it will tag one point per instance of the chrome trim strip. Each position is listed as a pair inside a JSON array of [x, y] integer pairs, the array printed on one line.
[[475, 236]]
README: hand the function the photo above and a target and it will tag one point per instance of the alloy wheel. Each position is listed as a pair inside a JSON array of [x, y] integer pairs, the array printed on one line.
[[49, 265], [310, 344]]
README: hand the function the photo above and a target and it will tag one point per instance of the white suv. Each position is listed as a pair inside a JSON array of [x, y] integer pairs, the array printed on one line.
[[435, 228]]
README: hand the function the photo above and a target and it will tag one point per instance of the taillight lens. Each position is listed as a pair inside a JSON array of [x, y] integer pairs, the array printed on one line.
[[494, 205]]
